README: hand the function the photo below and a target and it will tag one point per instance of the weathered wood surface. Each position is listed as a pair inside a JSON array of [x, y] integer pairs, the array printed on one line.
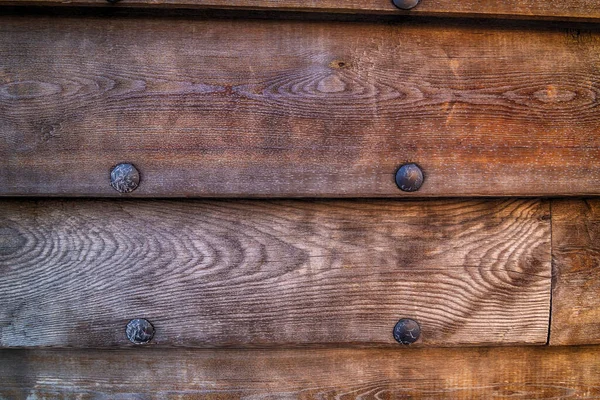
[[476, 373], [584, 10], [296, 108], [576, 258], [271, 273]]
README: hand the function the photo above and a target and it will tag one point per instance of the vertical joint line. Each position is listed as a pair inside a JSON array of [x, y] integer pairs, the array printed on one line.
[[551, 273]]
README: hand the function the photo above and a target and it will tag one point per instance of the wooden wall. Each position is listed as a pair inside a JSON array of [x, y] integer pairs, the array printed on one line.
[[286, 122]]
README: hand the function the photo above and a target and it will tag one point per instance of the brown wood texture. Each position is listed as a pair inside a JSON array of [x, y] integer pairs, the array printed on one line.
[[274, 273], [481, 373], [240, 107], [576, 264], [585, 10]]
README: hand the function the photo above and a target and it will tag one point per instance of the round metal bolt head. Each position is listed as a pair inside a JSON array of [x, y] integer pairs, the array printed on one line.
[[139, 331], [124, 178], [405, 4], [409, 178], [407, 331]]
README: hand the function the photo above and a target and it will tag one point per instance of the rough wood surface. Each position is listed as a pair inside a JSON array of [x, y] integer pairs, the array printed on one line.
[[266, 273], [585, 10], [239, 107], [482, 373], [576, 259]]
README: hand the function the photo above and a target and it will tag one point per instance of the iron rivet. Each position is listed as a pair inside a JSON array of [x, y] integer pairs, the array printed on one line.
[[407, 331], [139, 331], [405, 4], [124, 178], [409, 178]]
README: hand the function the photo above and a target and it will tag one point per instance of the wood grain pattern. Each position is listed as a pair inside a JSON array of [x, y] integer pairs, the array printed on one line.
[[264, 108], [576, 259], [482, 373], [273, 273], [584, 10]]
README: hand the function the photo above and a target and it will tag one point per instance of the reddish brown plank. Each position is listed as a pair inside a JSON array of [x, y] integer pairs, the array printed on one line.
[[576, 257], [583, 10], [296, 108], [274, 273], [498, 373]]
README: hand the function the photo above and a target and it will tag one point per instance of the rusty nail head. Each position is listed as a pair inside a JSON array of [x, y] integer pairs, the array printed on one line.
[[407, 331], [124, 178], [139, 331], [409, 178], [405, 4]]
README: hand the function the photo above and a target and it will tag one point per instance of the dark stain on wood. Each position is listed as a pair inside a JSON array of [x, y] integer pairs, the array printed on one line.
[[11, 241]]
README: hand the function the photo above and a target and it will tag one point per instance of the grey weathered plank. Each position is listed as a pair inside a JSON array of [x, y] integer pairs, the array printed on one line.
[[273, 273], [459, 373], [266, 108]]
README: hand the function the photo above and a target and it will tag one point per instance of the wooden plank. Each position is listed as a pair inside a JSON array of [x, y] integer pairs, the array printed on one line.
[[273, 273], [230, 107], [576, 264], [580, 10], [467, 373]]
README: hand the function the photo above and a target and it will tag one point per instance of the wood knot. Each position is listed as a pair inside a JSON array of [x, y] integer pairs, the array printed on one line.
[[339, 64]]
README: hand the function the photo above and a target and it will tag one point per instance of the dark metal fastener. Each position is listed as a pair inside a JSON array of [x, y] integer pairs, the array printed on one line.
[[124, 178], [407, 331], [405, 4], [139, 331], [409, 178]]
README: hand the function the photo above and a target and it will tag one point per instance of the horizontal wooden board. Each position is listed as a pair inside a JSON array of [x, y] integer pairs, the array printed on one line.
[[273, 273], [585, 10], [235, 107], [482, 373], [576, 258]]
